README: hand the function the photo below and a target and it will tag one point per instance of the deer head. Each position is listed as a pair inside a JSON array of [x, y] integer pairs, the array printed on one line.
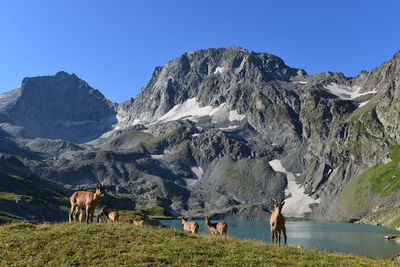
[[100, 191], [278, 205]]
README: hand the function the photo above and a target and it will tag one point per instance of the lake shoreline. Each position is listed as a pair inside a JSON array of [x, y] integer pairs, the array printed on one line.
[[337, 237]]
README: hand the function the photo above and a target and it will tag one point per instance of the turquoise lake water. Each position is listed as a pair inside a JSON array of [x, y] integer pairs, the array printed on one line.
[[365, 240]]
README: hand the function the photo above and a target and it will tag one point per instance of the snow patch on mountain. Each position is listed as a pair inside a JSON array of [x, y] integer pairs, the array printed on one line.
[[159, 156], [362, 104], [197, 172], [219, 70], [191, 110], [347, 92], [296, 203]]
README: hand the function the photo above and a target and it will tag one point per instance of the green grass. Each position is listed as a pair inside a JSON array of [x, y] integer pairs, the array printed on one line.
[[9, 218], [380, 180], [8, 195], [384, 179], [146, 142], [123, 244], [31, 189], [155, 210]]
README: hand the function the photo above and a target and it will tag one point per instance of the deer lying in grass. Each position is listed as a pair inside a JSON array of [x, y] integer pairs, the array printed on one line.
[[190, 227], [111, 216], [220, 228], [139, 222], [86, 201], [277, 222]]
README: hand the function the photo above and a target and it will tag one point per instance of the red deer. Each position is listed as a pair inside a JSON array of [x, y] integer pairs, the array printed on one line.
[[86, 201], [190, 227], [220, 228], [111, 216], [277, 222]]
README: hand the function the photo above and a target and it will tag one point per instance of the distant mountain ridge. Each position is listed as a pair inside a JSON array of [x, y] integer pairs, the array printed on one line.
[[217, 131], [56, 107]]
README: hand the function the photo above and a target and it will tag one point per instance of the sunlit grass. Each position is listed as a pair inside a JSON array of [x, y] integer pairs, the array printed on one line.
[[124, 244]]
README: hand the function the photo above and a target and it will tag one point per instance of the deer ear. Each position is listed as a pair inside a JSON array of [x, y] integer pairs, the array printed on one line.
[[274, 201]]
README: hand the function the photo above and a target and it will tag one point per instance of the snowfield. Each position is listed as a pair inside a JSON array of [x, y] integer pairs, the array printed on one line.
[[191, 110], [218, 70], [296, 202], [346, 92], [159, 156]]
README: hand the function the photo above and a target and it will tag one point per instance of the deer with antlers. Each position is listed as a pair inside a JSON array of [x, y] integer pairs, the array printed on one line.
[[277, 222], [87, 201]]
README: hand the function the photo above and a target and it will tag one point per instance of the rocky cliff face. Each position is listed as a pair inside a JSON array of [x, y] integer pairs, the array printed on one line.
[[217, 131], [56, 107]]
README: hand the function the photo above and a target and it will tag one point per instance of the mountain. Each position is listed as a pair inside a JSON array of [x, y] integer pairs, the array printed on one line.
[[56, 107], [220, 131]]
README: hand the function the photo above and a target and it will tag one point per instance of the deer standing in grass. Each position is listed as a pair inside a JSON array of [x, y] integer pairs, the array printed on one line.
[[82, 216], [277, 222], [111, 216], [220, 228], [86, 201], [190, 227]]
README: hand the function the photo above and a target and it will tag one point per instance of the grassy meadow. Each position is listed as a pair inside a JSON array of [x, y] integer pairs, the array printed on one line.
[[124, 244]]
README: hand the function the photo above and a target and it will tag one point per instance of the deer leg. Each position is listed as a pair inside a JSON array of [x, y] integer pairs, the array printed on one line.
[[71, 212], [279, 236], [87, 214], [272, 235], [91, 215], [76, 211], [284, 234]]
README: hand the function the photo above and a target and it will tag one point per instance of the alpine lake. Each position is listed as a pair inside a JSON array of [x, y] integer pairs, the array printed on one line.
[[359, 239]]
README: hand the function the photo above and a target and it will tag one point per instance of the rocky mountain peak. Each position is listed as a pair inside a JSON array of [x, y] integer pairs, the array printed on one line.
[[213, 77], [47, 106]]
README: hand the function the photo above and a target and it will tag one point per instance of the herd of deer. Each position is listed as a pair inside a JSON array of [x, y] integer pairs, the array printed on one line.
[[220, 228], [85, 203]]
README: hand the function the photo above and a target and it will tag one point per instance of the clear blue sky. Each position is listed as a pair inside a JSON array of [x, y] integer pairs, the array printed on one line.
[[115, 45]]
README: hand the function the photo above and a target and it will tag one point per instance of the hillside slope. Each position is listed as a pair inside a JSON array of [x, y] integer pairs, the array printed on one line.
[[126, 245]]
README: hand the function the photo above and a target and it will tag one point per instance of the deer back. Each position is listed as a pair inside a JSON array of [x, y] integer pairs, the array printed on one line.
[[113, 216], [82, 198], [192, 227], [222, 228]]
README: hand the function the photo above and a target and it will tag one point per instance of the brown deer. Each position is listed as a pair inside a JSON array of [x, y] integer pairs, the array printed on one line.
[[220, 228], [277, 222], [86, 201], [82, 216], [139, 222], [111, 216], [190, 227]]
